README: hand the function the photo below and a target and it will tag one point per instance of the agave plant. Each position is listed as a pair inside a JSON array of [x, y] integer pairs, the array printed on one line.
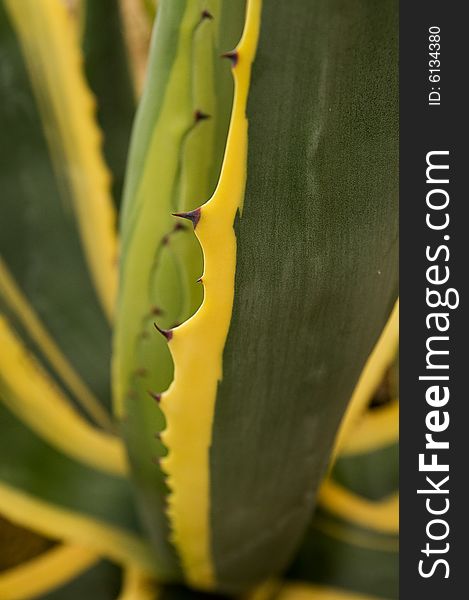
[[198, 384]]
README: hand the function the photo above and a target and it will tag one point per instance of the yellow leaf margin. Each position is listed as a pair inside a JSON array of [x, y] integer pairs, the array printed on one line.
[[50, 570], [49, 42], [56, 522]]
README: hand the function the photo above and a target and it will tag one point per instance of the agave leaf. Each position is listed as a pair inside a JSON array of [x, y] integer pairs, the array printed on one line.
[[32, 396], [49, 45], [15, 309], [55, 496], [338, 553], [137, 586], [296, 297], [381, 515], [352, 542], [275, 350], [61, 570], [368, 464], [50, 569], [364, 473], [380, 362], [108, 75], [375, 430], [302, 591], [100, 581], [137, 26], [46, 288], [150, 7], [183, 115]]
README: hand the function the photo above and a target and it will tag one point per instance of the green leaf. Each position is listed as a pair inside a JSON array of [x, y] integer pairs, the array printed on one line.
[[55, 496], [343, 547], [41, 245], [107, 71], [174, 163], [100, 581], [336, 551], [295, 301], [373, 475], [329, 556]]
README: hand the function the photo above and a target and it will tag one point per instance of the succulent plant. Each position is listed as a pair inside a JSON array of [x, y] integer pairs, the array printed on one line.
[[198, 384]]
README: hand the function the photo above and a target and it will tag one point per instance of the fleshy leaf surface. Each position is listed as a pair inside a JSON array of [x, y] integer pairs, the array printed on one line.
[[55, 185], [307, 282], [174, 164]]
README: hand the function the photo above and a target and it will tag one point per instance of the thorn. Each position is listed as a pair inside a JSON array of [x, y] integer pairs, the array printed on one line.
[[201, 116], [156, 311], [193, 215], [155, 396], [233, 56], [168, 334], [200, 279], [206, 15], [165, 240], [158, 436]]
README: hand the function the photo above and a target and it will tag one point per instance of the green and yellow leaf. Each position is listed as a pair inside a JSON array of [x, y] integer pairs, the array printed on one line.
[[253, 372], [299, 243], [183, 114], [47, 492], [49, 570], [30, 393], [108, 74], [52, 57], [52, 176]]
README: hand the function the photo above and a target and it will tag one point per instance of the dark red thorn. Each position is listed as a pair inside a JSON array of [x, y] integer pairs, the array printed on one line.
[[201, 116], [155, 396], [200, 280], [168, 334], [206, 15], [193, 215], [233, 56]]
